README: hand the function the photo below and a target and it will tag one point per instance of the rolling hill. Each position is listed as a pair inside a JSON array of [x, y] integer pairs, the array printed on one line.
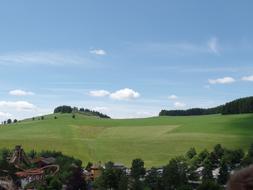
[[155, 140]]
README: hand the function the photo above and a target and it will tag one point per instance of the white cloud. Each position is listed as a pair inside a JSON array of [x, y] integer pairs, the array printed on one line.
[[5, 115], [99, 93], [125, 94], [213, 45], [19, 92], [225, 80], [179, 105], [248, 78], [173, 97], [43, 57], [18, 105], [98, 52]]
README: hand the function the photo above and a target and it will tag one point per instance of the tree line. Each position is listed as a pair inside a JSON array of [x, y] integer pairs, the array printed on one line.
[[242, 105], [69, 109]]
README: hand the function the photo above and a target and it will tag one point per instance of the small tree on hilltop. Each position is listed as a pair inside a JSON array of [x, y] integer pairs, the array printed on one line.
[[9, 121]]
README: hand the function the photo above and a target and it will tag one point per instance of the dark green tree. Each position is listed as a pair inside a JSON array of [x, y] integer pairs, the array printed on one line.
[[137, 169], [209, 185], [224, 173], [207, 172], [137, 172], [191, 153], [9, 121], [219, 151], [153, 180], [174, 174]]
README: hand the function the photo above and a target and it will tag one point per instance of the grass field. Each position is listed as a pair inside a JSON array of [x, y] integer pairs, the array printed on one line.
[[156, 140]]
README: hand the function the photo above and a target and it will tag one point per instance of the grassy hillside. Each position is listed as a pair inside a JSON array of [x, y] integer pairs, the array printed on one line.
[[155, 140]]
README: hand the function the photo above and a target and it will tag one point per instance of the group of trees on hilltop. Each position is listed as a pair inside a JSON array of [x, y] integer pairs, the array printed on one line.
[[193, 111], [9, 121], [94, 113], [69, 109], [63, 109], [242, 105]]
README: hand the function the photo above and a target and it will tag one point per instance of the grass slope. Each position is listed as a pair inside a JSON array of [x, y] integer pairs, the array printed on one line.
[[155, 140]]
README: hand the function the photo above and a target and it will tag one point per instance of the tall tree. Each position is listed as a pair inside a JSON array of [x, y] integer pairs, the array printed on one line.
[[207, 173], [174, 174]]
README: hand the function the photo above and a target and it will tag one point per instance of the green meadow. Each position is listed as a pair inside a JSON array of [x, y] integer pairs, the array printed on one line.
[[156, 140]]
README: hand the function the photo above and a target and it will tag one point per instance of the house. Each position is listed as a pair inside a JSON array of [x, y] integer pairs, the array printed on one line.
[[41, 161]]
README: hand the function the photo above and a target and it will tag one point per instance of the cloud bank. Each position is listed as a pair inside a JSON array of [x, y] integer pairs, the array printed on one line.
[[122, 94], [18, 105], [19, 92], [225, 80], [98, 52]]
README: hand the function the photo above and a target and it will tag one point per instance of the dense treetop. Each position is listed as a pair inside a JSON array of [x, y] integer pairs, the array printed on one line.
[[69, 109], [242, 105]]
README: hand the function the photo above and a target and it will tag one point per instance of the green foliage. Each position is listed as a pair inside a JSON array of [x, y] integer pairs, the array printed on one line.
[[239, 106], [153, 179], [174, 174], [9, 121], [207, 170], [218, 151], [63, 109], [191, 153], [192, 111], [203, 155], [233, 157], [69, 109], [209, 185], [224, 173], [242, 105], [137, 169], [93, 113], [112, 178]]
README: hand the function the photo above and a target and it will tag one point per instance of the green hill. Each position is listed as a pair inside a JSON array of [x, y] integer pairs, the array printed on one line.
[[155, 140]]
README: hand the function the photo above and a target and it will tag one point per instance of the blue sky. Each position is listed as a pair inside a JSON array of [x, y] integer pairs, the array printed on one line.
[[123, 58]]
